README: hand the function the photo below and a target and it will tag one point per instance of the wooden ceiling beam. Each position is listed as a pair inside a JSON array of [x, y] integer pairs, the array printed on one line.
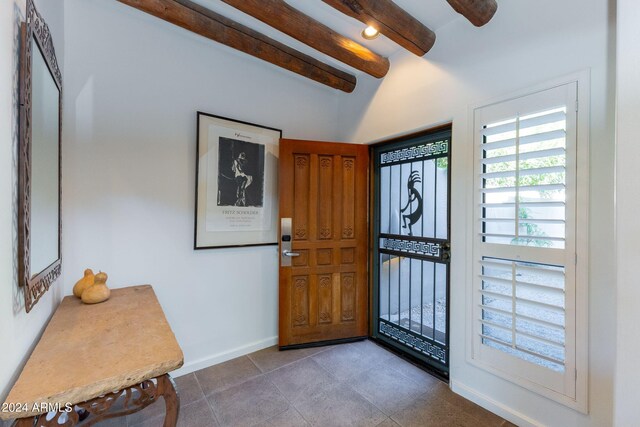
[[207, 23], [281, 16], [478, 12], [390, 20]]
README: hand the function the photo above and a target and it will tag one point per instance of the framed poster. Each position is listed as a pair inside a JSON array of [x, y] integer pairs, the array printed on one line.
[[236, 183]]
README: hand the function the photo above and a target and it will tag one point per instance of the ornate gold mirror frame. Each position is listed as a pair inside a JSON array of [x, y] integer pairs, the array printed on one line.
[[36, 44]]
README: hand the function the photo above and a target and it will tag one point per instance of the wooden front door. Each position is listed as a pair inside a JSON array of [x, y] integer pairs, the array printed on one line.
[[324, 232]]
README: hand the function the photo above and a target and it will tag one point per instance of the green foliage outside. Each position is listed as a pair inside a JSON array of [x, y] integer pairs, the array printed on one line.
[[534, 236]]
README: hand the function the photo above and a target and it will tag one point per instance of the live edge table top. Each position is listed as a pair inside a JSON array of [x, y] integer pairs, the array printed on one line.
[[89, 350]]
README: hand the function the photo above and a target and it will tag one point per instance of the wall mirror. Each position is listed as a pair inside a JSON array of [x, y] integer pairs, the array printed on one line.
[[39, 172]]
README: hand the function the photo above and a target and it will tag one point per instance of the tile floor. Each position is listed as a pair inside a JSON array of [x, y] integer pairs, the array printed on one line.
[[357, 384]]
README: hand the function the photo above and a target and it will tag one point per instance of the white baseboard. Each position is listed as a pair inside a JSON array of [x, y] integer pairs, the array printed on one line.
[[214, 359], [497, 408]]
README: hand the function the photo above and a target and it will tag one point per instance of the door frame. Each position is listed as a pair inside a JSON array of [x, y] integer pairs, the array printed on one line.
[[374, 215]]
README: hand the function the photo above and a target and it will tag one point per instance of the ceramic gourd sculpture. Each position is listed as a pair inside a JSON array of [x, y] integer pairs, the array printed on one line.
[[82, 284], [97, 293]]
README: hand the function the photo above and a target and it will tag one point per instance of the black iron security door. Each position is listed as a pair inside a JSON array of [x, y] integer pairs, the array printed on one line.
[[411, 249]]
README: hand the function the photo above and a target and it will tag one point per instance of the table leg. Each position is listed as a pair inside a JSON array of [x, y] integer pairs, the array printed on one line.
[[167, 389]]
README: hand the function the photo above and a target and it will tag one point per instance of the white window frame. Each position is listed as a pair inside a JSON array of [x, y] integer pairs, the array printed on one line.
[[572, 391]]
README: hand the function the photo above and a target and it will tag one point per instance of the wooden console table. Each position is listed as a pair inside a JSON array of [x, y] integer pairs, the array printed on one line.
[[96, 362]]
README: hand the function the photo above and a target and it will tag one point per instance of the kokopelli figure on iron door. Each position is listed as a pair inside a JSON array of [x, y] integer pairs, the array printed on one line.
[[415, 209]]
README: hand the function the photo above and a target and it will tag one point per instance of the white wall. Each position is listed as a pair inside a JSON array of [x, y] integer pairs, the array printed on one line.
[[627, 386], [18, 330], [527, 43], [133, 86]]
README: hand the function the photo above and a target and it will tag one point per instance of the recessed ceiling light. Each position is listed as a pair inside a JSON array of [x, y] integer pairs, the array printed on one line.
[[370, 33]]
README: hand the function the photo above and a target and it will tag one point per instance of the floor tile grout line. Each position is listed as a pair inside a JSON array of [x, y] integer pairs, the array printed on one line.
[[286, 364], [278, 388], [338, 380], [396, 421], [266, 378], [393, 355], [281, 412], [310, 356], [198, 382], [439, 399], [342, 383], [382, 410], [365, 398], [471, 414], [412, 400], [421, 395], [392, 420], [206, 399], [411, 379], [248, 356], [345, 383], [270, 418], [441, 402], [213, 413], [326, 370], [227, 387], [291, 404], [351, 376]]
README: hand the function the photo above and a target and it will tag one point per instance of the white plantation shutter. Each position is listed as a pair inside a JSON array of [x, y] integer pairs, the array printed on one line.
[[523, 310], [525, 239], [523, 165]]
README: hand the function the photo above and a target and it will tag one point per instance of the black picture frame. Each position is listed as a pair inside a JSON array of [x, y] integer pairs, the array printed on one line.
[[237, 165]]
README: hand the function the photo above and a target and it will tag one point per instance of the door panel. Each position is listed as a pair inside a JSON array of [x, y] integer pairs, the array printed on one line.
[[324, 290]]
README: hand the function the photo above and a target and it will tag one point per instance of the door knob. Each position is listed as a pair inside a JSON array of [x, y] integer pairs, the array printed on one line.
[[289, 253]]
